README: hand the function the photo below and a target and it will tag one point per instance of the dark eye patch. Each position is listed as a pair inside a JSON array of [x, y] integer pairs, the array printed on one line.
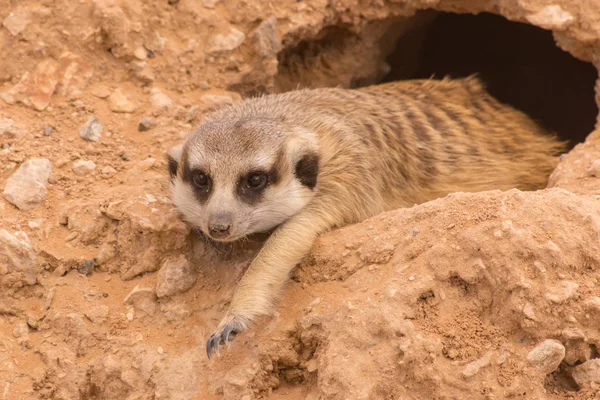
[[247, 188], [251, 187], [200, 181]]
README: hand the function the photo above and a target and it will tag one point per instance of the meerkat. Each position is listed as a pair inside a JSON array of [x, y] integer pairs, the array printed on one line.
[[307, 161]]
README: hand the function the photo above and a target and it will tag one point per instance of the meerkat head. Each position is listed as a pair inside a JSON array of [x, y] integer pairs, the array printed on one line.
[[232, 178]]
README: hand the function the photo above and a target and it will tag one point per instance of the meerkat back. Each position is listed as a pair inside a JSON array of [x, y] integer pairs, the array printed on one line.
[[455, 136]]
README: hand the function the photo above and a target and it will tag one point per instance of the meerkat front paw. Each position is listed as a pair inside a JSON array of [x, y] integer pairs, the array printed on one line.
[[226, 332]]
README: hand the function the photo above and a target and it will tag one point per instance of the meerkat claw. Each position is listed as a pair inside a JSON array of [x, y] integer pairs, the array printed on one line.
[[221, 337]]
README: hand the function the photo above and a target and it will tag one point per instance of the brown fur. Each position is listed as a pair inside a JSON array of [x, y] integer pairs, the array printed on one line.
[[384, 147]]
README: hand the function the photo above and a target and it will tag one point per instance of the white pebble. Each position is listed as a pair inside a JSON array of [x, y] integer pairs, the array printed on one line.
[[474, 367], [108, 170], [562, 292], [547, 356], [83, 167], [159, 99], [117, 102], [26, 187], [587, 373], [91, 130], [35, 223]]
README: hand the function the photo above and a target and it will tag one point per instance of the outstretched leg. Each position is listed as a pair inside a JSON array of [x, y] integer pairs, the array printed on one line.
[[258, 289]]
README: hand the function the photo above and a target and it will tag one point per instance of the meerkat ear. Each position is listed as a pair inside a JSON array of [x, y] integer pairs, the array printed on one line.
[[303, 148], [173, 158], [306, 169]]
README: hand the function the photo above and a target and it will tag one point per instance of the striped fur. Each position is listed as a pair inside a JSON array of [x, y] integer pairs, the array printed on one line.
[[379, 148]]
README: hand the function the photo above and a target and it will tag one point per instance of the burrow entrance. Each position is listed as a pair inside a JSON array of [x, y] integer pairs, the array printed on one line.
[[520, 64]]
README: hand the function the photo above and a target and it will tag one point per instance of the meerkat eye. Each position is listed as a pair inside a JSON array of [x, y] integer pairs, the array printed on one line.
[[256, 181], [200, 180]]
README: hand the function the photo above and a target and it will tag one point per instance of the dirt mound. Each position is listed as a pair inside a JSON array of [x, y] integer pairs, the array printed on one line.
[[106, 294]]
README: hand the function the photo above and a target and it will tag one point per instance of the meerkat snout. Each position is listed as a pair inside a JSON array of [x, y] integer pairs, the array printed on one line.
[[219, 225]]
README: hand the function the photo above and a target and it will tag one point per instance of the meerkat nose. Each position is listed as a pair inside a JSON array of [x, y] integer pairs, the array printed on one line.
[[219, 225]]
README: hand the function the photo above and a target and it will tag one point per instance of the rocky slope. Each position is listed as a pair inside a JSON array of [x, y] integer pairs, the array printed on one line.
[[105, 294]]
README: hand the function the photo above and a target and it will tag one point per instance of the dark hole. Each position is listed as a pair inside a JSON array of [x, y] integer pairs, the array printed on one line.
[[520, 64], [308, 64]]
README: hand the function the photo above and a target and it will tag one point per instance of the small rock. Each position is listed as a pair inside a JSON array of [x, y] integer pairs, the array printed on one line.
[[592, 304], [145, 124], [83, 167], [143, 299], [155, 44], [17, 256], [15, 158], [140, 53], [61, 162], [35, 223], [594, 170], [92, 130], [108, 170], [474, 367], [117, 102], [26, 187], [125, 157], [587, 373], [529, 312], [71, 236], [101, 91], [33, 322], [265, 38], [86, 267], [562, 292], [176, 276], [72, 324], [98, 314], [228, 42], [48, 131], [61, 270], [573, 334], [17, 21], [203, 85], [150, 198], [144, 73], [158, 99], [35, 88], [9, 130], [210, 3], [107, 252], [21, 330], [147, 163], [547, 355], [312, 365], [138, 66]]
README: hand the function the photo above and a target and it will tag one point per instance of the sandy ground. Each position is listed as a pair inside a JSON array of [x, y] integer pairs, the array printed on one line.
[[489, 295]]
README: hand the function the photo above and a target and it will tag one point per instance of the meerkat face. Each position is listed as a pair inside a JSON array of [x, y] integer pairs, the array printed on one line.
[[232, 179]]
